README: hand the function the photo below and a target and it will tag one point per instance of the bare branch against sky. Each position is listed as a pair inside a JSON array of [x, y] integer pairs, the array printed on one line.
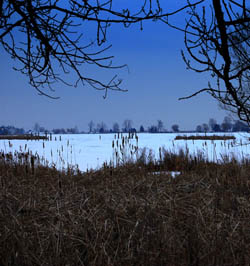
[[217, 41], [56, 43], [46, 38]]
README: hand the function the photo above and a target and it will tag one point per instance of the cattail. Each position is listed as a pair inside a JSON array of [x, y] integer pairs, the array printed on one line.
[[32, 161]]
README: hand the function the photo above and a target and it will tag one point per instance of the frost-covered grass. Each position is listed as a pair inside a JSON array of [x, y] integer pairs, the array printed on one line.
[[91, 151]]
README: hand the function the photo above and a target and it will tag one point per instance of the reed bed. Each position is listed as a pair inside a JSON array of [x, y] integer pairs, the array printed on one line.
[[124, 215], [23, 137], [205, 137], [84, 150]]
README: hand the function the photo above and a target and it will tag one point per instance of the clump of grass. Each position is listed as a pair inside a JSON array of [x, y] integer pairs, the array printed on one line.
[[205, 137], [124, 215]]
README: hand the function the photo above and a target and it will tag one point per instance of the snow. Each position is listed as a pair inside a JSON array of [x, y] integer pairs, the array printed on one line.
[[90, 151]]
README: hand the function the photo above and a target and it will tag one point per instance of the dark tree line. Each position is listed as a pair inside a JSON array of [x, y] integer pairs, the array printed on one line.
[[127, 127], [228, 125]]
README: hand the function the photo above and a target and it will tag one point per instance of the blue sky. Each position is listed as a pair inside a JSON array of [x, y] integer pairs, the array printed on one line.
[[157, 77]]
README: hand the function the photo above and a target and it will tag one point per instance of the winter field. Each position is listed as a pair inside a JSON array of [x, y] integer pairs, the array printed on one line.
[[90, 151]]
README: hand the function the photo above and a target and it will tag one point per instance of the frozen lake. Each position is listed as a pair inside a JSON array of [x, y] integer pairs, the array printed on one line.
[[90, 151]]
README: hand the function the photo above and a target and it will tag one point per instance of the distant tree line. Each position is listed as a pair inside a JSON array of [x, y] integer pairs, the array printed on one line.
[[227, 125], [127, 127]]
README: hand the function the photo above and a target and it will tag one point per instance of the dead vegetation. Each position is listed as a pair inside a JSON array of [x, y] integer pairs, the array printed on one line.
[[205, 137], [124, 215], [23, 137]]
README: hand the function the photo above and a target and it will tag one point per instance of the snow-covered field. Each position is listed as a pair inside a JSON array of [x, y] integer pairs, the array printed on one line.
[[90, 151]]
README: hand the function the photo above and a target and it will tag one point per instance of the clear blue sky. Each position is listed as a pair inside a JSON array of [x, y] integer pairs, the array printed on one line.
[[157, 78]]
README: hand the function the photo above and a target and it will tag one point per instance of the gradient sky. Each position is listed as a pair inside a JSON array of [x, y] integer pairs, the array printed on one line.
[[157, 77]]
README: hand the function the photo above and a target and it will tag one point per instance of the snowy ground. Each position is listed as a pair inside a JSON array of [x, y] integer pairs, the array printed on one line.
[[90, 151]]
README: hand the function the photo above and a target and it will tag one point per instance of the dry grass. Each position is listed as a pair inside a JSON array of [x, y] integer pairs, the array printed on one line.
[[124, 216], [23, 137], [205, 137]]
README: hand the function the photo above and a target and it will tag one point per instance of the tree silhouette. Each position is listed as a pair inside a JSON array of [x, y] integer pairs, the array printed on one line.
[[127, 125], [116, 127], [101, 127], [160, 125], [212, 122], [142, 129], [226, 124], [217, 40], [175, 128], [46, 38], [91, 126]]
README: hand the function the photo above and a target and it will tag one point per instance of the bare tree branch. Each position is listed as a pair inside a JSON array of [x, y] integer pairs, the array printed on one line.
[[51, 33], [218, 41]]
